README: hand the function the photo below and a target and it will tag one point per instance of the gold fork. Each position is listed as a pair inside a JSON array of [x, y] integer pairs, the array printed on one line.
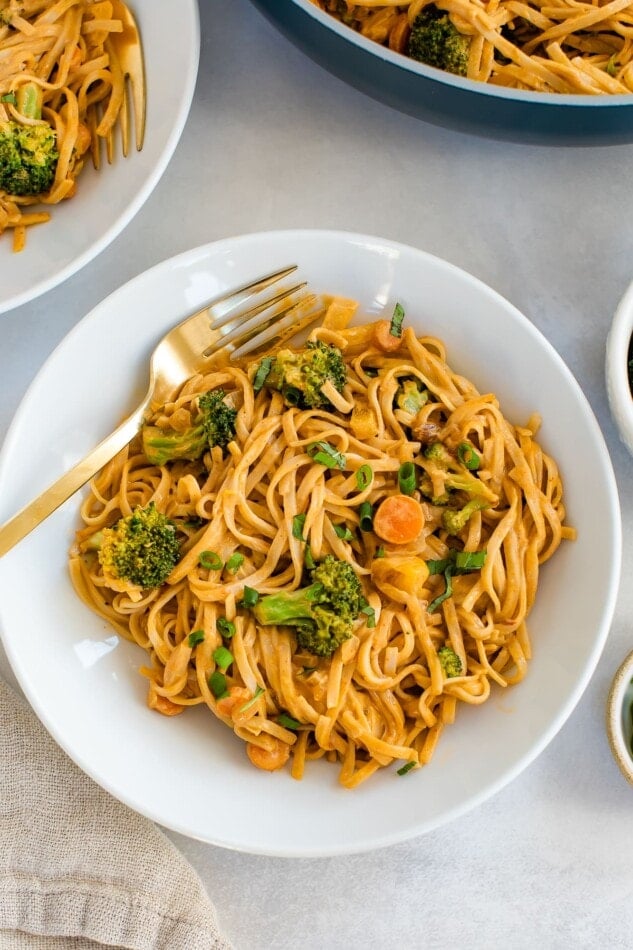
[[126, 53], [242, 321]]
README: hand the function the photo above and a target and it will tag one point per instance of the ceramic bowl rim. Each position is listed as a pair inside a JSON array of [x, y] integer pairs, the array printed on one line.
[[619, 684], [616, 367]]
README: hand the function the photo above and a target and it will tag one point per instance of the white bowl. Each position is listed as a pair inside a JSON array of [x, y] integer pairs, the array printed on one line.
[[617, 368], [620, 719], [189, 773], [106, 201]]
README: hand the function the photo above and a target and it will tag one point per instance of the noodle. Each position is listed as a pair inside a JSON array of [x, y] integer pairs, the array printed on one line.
[[564, 46], [64, 48], [385, 695]]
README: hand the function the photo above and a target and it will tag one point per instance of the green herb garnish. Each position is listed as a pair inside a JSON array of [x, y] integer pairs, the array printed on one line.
[[370, 613], [297, 527], [458, 562], [326, 454], [287, 721], [343, 532], [195, 637], [251, 702], [395, 327]]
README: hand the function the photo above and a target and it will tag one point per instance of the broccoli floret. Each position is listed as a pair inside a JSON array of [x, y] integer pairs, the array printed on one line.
[[214, 424], [434, 40], [449, 661], [438, 453], [426, 487], [454, 519], [322, 614], [141, 548], [410, 396], [301, 374], [28, 154], [218, 418], [457, 477]]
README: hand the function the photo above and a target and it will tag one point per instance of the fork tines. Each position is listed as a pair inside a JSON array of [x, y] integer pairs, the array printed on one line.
[[240, 329]]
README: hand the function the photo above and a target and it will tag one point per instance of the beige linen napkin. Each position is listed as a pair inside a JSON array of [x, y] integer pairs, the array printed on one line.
[[79, 870]]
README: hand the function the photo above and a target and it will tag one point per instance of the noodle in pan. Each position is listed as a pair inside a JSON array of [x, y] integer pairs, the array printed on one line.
[[564, 46], [407, 475], [59, 52]]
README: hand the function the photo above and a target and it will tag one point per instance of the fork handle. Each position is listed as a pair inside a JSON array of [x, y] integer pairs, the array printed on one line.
[[56, 494]]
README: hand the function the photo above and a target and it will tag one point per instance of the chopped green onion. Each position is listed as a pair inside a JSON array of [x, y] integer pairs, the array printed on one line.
[[326, 454], [234, 563], [223, 658], [370, 613], [467, 456], [364, 477], [307, 670], [261, 375], [371, 371], [297, 527], [343, 532], [406, 768], [366, 516], [380, 552], [309, 559], [407, 480], [252, 700], [293, 396], [226, 627], [395, 327], [195, 637], [249, 597], [29, 100], [217, 684], [287, 721], [210, 560], [9, 97]]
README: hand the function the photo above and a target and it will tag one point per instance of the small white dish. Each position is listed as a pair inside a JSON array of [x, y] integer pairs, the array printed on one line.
[[106, 201], [617, 368], [620, 717], [189, 773]]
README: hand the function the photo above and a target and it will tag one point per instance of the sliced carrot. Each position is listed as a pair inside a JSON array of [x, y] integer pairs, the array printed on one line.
[[399, 519], [383, 338]]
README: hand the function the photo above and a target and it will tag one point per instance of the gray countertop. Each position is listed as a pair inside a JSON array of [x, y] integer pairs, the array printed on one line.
[[273, 141]]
